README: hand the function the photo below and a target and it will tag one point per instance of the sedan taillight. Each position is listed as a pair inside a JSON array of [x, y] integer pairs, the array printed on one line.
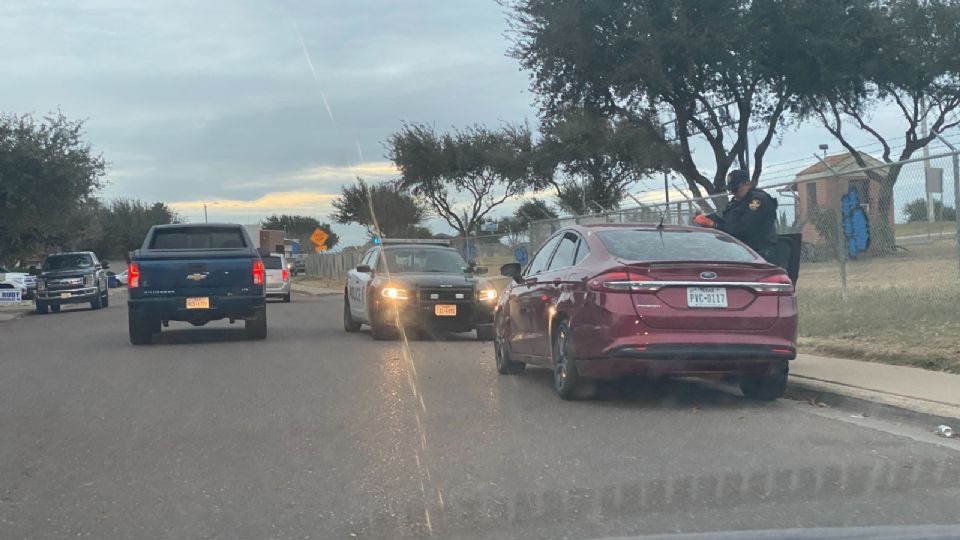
[[259, 274], [620, 281], [779, 284], [133, 275]]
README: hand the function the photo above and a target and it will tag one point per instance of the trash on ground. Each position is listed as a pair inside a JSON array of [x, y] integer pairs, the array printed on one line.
[[946, 431]]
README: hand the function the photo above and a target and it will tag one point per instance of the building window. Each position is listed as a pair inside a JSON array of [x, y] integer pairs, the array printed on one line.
[[812, 195]]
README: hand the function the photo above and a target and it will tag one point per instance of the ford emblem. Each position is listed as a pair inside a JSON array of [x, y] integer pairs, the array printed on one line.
[[708, 275]]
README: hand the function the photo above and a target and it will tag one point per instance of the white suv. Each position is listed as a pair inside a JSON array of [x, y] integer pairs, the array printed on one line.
[[278, 276]]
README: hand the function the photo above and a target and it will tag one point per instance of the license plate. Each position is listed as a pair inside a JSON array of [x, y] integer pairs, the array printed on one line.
[[706, 297], [198, 303], [445, 310], [65, 295]]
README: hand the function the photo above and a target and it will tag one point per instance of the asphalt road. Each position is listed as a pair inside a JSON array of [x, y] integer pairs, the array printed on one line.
[[315, 433]]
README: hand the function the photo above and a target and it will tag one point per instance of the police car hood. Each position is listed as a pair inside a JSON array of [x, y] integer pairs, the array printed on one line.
[[434, 279]]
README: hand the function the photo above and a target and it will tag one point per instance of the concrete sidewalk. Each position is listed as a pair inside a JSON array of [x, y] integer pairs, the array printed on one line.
[[915, 389], [314, 291]]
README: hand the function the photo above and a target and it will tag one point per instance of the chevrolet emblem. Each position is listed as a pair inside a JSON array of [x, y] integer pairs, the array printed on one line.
[[196, 277]]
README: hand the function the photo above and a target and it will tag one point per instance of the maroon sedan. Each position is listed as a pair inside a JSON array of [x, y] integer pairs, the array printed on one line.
[[603, 302]]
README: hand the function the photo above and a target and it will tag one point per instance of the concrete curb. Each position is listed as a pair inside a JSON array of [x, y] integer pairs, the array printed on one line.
[[870, 402], [314, 292]]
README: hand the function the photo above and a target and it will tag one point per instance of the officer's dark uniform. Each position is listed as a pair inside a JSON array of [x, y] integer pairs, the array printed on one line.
[[753, 221]]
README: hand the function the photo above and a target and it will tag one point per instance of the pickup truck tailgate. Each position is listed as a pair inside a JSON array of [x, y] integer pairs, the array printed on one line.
[[195, 275]]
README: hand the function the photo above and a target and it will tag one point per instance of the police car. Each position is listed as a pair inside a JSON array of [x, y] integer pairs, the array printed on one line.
[[418, 284]]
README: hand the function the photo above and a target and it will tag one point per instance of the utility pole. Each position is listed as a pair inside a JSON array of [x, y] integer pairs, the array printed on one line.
[[205, 213]]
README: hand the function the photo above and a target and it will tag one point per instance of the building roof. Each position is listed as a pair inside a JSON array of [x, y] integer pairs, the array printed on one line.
[[842, 163]]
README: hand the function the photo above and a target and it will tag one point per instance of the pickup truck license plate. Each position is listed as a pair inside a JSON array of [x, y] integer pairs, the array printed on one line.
[[65, 295], [198, 303], [706, 297], [445, 310]]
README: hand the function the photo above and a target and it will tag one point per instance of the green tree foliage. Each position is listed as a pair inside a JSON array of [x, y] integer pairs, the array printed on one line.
[[594, 153], [917, 211], [384, 207], [481, 167], [123, 224], [719, 68], [516, 226], [300, 227], [48, 177], [905, 55]]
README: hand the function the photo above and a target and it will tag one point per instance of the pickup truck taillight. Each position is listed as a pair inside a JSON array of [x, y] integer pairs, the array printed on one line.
[[133, 275], [286, 274], [259, 274]]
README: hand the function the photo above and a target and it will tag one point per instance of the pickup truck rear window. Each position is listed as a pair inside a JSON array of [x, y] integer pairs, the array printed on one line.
[[198, 238]]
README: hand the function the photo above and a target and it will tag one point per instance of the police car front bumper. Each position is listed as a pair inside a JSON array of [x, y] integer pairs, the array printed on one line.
[[463, 317]]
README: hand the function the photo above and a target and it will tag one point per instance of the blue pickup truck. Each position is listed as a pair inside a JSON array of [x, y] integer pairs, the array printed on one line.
[[195, 273]]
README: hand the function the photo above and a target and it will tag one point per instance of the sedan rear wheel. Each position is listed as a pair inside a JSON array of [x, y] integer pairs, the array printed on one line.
[[766, 387]]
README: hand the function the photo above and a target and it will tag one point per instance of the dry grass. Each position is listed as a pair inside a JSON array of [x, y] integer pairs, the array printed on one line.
[[900, 310]]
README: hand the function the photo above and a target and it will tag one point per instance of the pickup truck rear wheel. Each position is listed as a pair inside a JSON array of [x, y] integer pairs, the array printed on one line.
[[41, 308], [141, 328], [257, 326]]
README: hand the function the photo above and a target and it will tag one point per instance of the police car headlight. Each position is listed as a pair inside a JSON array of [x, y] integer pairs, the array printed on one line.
[[394, 293], [488, 295]]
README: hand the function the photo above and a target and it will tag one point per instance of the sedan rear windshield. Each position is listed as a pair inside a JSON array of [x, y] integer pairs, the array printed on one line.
[[198, 238], [64, 262], [272, 263], [648, 245]]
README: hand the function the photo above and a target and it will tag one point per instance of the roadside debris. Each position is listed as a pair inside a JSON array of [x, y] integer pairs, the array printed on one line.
[[945, 431]]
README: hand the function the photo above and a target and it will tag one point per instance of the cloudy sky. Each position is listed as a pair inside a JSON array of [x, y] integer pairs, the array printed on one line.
[[255, 107]]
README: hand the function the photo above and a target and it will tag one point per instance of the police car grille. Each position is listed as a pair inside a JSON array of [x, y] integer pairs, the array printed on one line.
[[432, 294]]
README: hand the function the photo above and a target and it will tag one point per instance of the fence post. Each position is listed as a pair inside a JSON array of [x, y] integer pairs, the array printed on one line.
[[841, 238], [956, 189]]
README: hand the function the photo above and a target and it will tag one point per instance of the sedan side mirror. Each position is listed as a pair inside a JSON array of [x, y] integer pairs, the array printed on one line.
[[512, 270], [364, 269]]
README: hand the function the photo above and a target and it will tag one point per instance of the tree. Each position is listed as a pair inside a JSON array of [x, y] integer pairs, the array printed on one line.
[[517, 226], [600, 157], [300, 228], [123, 224], [485, 166], [381, 208], [916, 210], [48, 177], [717, 67], [915, 71]]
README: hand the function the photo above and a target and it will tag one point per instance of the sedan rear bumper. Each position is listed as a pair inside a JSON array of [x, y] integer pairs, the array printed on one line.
[[686, 360]]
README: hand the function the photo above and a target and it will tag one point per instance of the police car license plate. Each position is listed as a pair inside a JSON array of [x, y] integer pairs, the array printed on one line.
[[445, 310], [706, 297], [198, 303]]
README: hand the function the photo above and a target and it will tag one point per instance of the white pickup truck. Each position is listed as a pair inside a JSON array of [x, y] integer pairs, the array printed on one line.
[[18, 280]]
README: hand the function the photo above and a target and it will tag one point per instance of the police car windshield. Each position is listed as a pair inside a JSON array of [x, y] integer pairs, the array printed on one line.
[[403, 260]]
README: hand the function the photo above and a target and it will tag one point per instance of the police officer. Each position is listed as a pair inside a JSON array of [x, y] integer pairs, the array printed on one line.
[[750, 216]]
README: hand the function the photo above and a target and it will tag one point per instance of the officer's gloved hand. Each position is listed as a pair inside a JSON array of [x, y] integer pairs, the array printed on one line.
[[704, 221]]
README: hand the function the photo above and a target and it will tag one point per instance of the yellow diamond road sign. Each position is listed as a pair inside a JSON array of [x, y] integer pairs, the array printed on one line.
[[319, 239]]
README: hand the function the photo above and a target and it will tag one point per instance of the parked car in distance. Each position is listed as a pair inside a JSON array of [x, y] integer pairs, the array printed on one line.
[[25, 282], [417, 284], [606, 301], [197, 274], [278, 276], [72, 278]]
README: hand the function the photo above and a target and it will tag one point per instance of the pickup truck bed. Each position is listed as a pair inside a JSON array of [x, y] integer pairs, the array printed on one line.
[[196, 274]]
